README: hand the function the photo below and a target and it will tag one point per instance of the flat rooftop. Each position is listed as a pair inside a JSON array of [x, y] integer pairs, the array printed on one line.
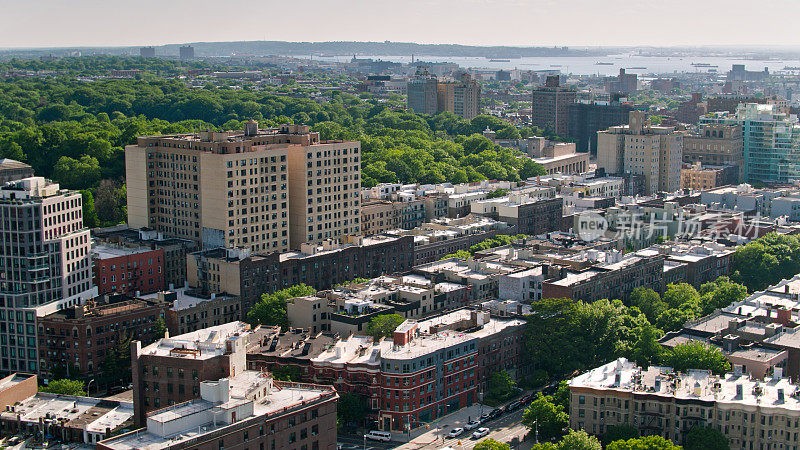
[[104, 251], [694, 385], [201, 344]]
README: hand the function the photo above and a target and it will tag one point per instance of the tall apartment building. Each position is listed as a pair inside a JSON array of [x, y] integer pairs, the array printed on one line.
[[429, 95], [750, 413], [716, 144], [586, 119], [551, 106], [460, 97], [45, 263], [147, 52], [423, 92], [770, 139], [627, 83], [265, 190], [186, 52], [655, 152], [691, 110]]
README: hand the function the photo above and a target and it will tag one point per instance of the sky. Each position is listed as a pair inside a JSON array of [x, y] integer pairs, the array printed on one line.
[[61, 23]]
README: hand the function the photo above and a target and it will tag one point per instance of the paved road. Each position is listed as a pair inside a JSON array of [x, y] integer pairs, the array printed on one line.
[[506, 428]]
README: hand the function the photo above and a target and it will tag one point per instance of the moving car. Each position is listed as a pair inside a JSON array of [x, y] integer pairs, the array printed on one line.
[[374, 435], [480, 432], [472, 425], [455, 432]]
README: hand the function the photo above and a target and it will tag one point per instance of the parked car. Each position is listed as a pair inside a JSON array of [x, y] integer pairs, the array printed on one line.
[[455, 432], [485, 416], [13, 440], [495, 413], [480, 432], [550, 389], [472, 425]]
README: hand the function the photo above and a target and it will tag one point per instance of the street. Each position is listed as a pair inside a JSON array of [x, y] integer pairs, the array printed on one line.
[[506, 428]]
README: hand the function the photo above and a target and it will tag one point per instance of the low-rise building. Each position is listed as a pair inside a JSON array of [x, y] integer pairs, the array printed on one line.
[[13, 170], [68, 418], [557, 157], [236, 272], [174, 250], [613, 278], [661, 401], [74, 342], [428, 369], [169, 371], [482, 277], [120, 270], [246, 410], [530, 214], [440, 237]]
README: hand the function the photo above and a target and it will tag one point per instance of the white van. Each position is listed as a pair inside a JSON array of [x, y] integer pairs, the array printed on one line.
[[375, 435]]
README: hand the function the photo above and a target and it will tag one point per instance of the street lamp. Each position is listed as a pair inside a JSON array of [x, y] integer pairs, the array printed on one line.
[[535, 431], [365, 442]]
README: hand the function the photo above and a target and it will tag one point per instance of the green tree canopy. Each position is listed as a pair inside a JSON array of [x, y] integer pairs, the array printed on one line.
[[547, 417], [501, 385], [350, 408], [491, 444], [643, 443], [384, 325], [64, 387], [578, 440], [271, 308], [706, 438], [696, 355], [619, 433]]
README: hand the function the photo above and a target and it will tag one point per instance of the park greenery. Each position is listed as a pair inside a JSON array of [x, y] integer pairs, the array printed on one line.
[[271, 308], [74, 130], [491, 444], [643, 443]]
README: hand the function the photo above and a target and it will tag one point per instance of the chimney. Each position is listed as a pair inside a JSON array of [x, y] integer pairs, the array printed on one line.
[[777, 373], [784, 317], [781, 397], [739, 391]]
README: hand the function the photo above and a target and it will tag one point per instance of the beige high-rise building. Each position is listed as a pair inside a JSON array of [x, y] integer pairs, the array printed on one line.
[[429, 95], [265, 190], [641, 148]]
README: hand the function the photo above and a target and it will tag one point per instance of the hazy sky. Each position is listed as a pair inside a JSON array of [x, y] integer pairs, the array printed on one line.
[[26, 23]]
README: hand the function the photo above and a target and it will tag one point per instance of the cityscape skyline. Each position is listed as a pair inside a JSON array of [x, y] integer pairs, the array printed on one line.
[[683, 23]]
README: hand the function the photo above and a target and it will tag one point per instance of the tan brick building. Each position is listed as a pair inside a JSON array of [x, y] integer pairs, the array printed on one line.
[[265, 190], [716, 144]]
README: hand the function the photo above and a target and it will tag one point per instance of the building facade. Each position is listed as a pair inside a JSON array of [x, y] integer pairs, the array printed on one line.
[[716, 144], [551, 106], [279, 187], [45, 264], [640, 148]]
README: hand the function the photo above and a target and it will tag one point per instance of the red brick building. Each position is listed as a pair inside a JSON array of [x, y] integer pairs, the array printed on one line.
[[427, 370], [75, 342], [124, 270]]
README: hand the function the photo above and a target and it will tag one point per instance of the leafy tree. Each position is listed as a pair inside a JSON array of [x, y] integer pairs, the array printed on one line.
[[643, 443], [89, 213], [117, 364], [619, 433], [550, 332], [706, 438], [159, 328], [766, 261], [578, 440], [649, 302], [64, 387], [696, 355], [547, 417], [497, 193], [461, 254], [491, 444], [271, 308], [110, 202], [678, 295], [384, 325], [720, 293], [80, 173], [561, 396], [350, 408], [287, 373], [501, 385]]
